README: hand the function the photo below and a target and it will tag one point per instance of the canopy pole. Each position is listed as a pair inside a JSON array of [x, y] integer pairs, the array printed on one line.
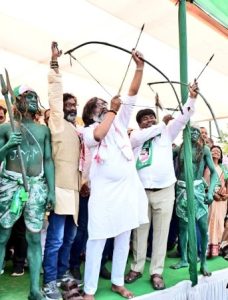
[[188, 170]]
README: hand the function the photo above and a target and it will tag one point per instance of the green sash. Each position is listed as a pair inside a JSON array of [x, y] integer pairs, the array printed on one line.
[[145, 155]]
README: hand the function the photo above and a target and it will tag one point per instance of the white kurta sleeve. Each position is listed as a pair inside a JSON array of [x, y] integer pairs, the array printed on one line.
[[126, 109], [88, 136], [138, 137], [176, 125]]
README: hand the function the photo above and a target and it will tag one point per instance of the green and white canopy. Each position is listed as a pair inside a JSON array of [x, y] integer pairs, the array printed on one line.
[[28, 27]]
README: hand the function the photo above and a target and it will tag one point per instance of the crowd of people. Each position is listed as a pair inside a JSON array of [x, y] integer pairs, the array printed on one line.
[[99, 190]]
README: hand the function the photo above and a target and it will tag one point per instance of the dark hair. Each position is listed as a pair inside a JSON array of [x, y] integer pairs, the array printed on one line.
[[199, 153], [211, 141], [67, 96], [45, 112], [226, 219], [20, 107], [87, 114], [218, 147], [144, 112]]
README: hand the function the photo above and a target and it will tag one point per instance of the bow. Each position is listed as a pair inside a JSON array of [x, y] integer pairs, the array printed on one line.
[[142, 28], [129, 52], [201, 95]]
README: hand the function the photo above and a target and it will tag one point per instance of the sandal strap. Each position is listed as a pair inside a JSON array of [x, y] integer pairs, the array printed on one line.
[[156, 276], [132, 276], [72, 293], [134, 272], [69, 285]]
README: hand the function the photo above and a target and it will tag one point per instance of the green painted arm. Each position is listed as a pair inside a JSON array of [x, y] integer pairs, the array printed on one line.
[[49, 170], [213, 176], [14, 140]]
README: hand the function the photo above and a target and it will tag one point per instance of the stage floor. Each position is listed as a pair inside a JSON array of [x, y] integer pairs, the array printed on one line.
[[16, 288]]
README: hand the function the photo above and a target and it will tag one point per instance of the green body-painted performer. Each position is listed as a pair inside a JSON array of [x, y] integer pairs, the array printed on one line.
[[201, 158], [34, 140]]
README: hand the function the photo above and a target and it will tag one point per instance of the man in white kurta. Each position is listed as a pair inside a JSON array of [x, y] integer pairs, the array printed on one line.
[[114, 180], [116, 192]]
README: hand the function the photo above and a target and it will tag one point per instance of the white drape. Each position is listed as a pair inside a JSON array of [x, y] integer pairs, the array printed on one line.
[[208, 288]]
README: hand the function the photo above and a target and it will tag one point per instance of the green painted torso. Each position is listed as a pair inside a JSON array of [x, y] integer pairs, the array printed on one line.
[[198, 166], [32, 152]]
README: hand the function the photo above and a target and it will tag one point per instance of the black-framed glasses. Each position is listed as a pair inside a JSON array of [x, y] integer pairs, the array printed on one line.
[[70, 105]]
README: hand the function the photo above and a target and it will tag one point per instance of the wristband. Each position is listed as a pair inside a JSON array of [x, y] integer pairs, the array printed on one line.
[[54, 64], [139, 69], [112, 111]]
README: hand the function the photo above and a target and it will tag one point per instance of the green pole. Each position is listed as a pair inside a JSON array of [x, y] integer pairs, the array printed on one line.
[[192, 248]]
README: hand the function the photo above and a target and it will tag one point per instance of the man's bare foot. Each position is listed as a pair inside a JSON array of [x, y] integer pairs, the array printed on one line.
[[122, 291], [204, 271], [36, 295], [88, 297], [179, 265]]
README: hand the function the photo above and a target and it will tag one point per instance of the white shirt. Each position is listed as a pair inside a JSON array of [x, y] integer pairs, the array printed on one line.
[[160, 174]]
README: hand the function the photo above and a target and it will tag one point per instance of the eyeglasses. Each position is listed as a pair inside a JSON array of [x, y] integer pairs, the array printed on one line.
[[70, 105]]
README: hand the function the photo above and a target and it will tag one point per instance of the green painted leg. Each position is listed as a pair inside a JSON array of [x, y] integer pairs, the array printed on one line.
[[203, 227], [183, 239], [4, 237], [36, 296], [34, 260]]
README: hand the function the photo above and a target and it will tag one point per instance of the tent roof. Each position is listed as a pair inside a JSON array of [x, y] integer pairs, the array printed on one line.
[[28, 28], [217, 9]]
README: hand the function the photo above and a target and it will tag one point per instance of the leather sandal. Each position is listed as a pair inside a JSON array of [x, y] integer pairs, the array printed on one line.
[[157, 282], [132, 276], [69, 285], [72, 295]]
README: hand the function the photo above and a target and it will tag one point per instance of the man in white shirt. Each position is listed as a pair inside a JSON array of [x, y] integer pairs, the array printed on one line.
[[158, 178]]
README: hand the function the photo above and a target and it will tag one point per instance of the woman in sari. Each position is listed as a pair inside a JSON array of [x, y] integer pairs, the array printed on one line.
[[218, 208]]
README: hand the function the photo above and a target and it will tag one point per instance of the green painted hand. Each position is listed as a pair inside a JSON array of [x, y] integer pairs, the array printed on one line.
[[209, 198], [50, 201], [15, 139]]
